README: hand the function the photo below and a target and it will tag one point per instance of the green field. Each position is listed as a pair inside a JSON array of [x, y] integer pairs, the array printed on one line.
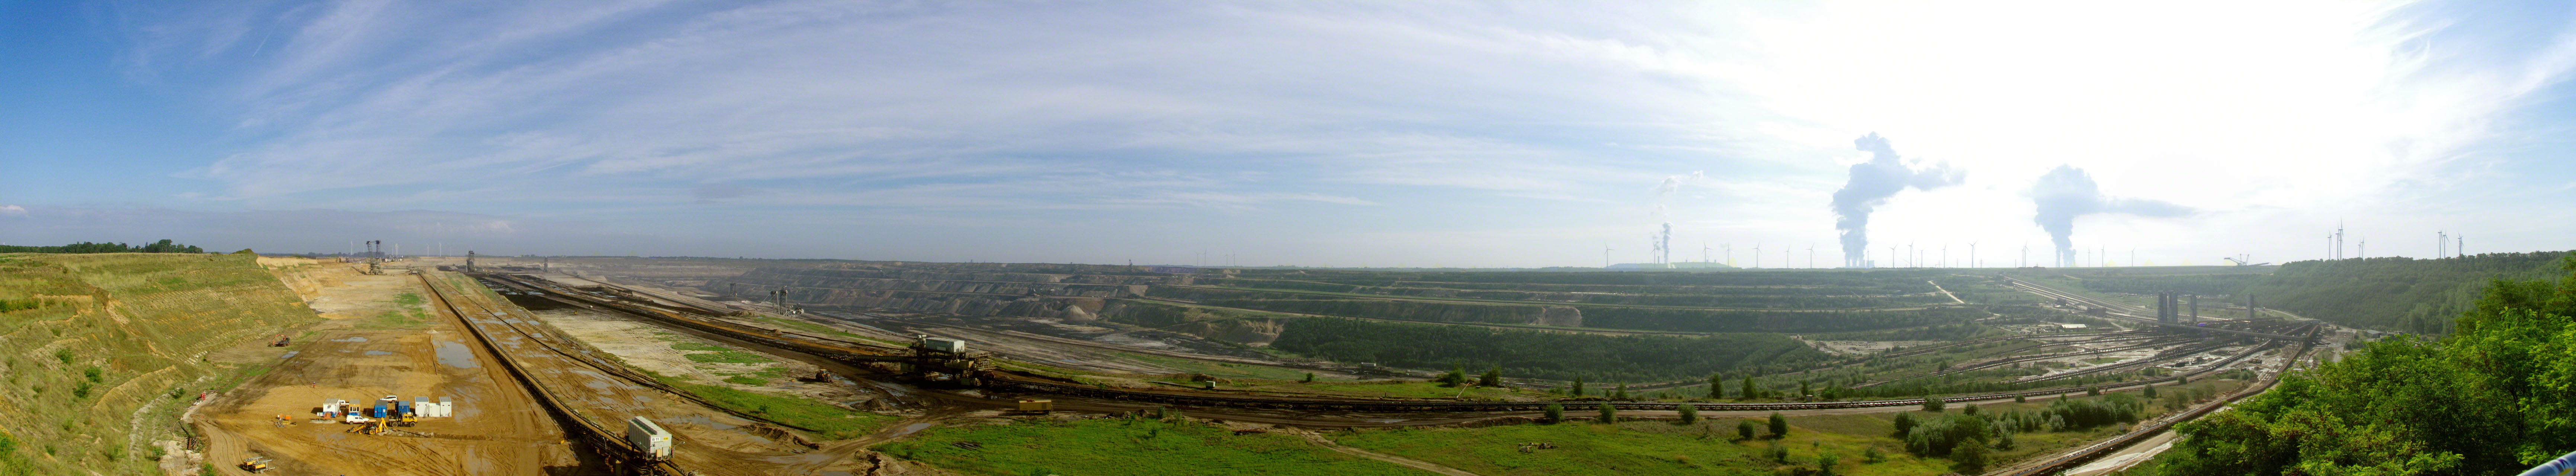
[[1126, 446]]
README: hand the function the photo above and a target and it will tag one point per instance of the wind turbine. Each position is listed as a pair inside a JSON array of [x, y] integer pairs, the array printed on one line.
[[1605, 255], [1703, 251], [1757, 254], [1811, 255]]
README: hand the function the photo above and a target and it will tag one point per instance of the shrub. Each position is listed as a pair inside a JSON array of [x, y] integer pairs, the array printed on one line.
[[2021, 399], [1933, 403], [1690, 414], [1609, 414], [1779, 426], [1555, 413], [93, 373], [1872, 456], [1904, 423], [1744, 429], [64, 355], [1777, 453], [1970, 410], [1825, 464], [1971, 459]]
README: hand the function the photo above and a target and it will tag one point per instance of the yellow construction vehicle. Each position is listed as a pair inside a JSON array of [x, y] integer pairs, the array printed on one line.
[[255, 465], [370, 428]]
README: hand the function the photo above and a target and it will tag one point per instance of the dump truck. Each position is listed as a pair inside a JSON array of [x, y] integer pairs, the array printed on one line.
[[648, 439], [255, 465], [1037, 406]]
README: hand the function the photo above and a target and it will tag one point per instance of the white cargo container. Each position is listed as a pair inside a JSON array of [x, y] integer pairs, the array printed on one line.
[[648, 438], [447, 407], [944, 344]]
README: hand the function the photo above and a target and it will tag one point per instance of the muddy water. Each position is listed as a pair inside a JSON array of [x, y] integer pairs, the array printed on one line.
[[456, 354]]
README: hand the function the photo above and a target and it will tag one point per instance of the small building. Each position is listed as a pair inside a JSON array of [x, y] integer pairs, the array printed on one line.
[[2070, 326], [944, 344]]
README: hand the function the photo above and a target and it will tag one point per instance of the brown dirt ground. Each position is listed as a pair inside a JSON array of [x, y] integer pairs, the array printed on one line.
[[498, 429]]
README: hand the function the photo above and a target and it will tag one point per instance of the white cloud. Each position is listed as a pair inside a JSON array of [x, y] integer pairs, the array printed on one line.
[[13, 210], [946, 112]]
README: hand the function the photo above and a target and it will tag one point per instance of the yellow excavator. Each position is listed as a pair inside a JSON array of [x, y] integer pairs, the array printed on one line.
[[255, 465]]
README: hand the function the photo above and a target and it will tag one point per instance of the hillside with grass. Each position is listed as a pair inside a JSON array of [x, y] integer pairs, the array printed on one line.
[[103, 351], [2400, 294]]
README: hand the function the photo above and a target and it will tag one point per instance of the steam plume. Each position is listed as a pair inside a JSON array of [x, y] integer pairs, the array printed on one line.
[[1872, 183], [2067, 192]]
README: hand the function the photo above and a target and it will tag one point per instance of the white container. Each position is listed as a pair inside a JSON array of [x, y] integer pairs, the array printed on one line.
[[648, 438], [944, 344]]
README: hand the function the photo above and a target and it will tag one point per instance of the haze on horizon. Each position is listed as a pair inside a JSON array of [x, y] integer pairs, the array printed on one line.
[[1487, 134]]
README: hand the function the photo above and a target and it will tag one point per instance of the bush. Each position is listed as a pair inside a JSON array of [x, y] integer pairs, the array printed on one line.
[[1744, 429], [1555, 413], [1779, 426], [64, 355], [1777, 453], [1872, 456], [93, 373], [1970, 410], [1825, 464], [1904, 423], [2021, 399], [1971, 459], [1690, 414], [1933, 403], [1609, 414]]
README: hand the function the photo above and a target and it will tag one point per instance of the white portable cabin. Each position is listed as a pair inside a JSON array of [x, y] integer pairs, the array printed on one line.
[[446, 407], [648, 438], [944, 344]]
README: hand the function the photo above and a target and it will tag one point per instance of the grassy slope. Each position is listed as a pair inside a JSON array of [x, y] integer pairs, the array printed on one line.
[[143, 320], [1708, 447], [1122, 446]]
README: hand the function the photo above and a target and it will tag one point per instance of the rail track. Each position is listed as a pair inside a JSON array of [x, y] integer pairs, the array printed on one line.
[[2078, 458], [610, 443]]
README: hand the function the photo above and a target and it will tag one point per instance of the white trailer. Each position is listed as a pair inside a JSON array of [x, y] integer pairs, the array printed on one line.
[[648, 438]]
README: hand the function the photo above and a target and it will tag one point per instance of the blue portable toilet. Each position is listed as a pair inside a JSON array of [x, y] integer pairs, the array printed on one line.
[[380, 411]]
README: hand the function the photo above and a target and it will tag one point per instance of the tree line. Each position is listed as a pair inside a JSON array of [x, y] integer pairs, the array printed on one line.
[[163, 246]]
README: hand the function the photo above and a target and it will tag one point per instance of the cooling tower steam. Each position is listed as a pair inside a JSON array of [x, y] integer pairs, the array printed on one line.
[[2067, 192], [1872, 183]]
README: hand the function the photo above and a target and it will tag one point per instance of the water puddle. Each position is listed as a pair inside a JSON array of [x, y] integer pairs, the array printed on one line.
[[351, 339], [910, 429], [455, 354], [290, 354], [379, 352]]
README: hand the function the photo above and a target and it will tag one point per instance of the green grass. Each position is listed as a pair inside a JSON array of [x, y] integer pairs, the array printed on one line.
[[1120, 446], [826, 420], [698, 346], [1710, 446], [1381, 388], [728, 357], [746, 380], [1645, 447], [1217, 369]]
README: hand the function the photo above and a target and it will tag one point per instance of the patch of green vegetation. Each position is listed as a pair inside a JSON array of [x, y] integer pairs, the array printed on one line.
[[1216, 369], [128, 327], [746, 380], [826, 420], [728, 357], [1383, 388], [698, 346], [1122, 446]]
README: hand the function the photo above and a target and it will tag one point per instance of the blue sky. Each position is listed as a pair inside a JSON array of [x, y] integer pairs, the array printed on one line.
[[1309, 133]]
